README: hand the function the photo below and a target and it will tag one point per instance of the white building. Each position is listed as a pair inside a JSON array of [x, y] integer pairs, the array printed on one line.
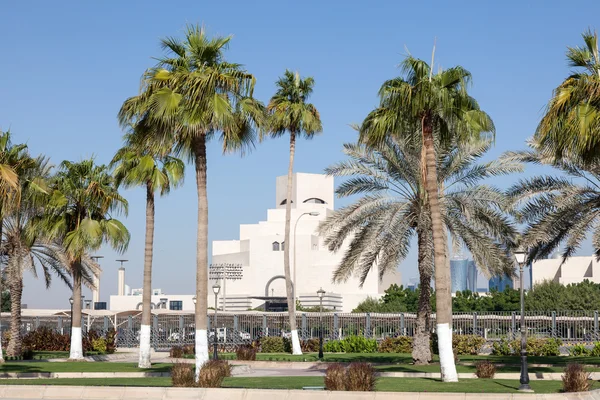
[[259, 253], [574, 270]]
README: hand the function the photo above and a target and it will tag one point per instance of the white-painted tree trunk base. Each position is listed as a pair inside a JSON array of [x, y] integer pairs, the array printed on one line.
[[296, 349], [76, 352], [448, 368], [201, 350], [145, 361]]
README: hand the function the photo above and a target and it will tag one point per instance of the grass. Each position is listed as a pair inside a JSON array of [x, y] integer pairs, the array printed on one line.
[[384, 384], [32, 366]]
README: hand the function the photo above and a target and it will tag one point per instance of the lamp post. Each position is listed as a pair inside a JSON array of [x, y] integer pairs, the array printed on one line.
[[71, 326], [216, 288], [320, 293], [296, 293], [520, 257]]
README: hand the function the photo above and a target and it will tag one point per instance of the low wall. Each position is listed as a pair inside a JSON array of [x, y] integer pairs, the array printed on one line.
[[132, 393]]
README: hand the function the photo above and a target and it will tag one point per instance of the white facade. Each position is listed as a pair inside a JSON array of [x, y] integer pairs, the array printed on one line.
[[574, 270], [260, 252]]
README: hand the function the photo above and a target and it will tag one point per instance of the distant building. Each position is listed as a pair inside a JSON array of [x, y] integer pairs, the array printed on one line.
[[574, 270], [459, 274], [472, 275], [501, 283]]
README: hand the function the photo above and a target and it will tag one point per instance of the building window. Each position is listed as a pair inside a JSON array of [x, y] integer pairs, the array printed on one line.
[[101, 305], [314, 200], [285, 202], [176, 305], [275, 246], [282, 246]]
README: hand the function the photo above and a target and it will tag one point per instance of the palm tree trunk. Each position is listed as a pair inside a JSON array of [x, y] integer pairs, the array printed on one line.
[[442, 269], [421, 351], [14, 348], [289, 287], [201, 338], [1, 288], [145, 330], [76, 352]]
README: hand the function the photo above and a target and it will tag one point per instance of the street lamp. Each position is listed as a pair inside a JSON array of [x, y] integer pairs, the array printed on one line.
[[71, 326], [520, 257], [320, 293], [296, 292], [216, 288]]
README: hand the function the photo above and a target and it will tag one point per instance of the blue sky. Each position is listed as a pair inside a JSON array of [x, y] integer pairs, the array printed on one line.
[[66, 67]]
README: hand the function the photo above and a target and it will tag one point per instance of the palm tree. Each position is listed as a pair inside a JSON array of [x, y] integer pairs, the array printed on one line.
[[395, 209], [440, 106], [558, 210], [571, 124], [288, 111], [189, 97], [78, 217], [24, 245], [139, 165]]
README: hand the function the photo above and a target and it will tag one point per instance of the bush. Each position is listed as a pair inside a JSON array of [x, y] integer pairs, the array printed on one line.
[[111, 341], [99, 345], [182, 375], [310, 345], [359, 344], [485, 369], [579, 350], [272, 344], [189, 350], [502, 348], [595, 352], [333, 346], [176, 352], [335, 377], [46, 339], [535, 347], [213, 372], [361, 377], [461, 344], [246, 353], [576, 379], [400, 344]]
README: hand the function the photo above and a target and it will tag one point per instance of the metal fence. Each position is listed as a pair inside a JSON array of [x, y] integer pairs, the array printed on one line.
[[169, 330]]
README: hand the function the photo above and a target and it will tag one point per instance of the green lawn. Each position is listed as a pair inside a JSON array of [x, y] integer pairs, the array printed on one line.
[[384, 384], [32, 366]]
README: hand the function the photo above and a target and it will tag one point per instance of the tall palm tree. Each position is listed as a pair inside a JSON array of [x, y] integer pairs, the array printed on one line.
[[571, 124], [189, 97], [288, 111], [558, 210], [78, 216], [24, 245], [394, 209], [439, 104], [140, 165]]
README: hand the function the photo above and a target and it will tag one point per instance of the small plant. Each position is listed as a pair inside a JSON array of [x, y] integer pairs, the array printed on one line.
[[176, 352], [213, 372], [400, 344], [182, 375], [310, 345], [272, 344], [485, 369], [246, 353], [576, 379], [99, 345], [595, 352], [189, 350], [502, 348], [579, 350], [335, 377], [361, 377], [359, 344], [333, 346]]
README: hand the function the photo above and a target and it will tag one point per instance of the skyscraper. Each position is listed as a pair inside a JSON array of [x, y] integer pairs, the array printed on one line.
[[471, 276], [458, 274], [500, 283]]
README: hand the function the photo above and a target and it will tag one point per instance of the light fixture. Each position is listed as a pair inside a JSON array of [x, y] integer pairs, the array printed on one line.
[[194, 299], [216, 288], [520, 255], [320, 293], [314, 213], [71, 301]]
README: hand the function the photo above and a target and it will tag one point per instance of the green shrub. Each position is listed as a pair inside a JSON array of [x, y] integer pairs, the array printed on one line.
[[576, 379], [595, 352], [272, 344], [461, 344], [333, 346], [99, 345], [543, 347], [502, 348], [400, 344], [359, 344], [579, 350]]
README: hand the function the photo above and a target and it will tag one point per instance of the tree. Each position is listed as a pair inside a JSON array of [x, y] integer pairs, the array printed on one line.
[[78, 216], [190, 96], [571, 125], [288, 111], [439, 105], [395, 209], [26, 247], [141, 165]]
